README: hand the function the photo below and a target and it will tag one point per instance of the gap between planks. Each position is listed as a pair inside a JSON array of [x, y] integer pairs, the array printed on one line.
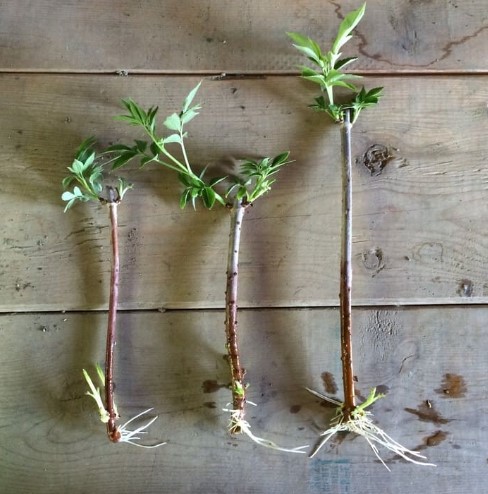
[[404, 307], [232, 75]]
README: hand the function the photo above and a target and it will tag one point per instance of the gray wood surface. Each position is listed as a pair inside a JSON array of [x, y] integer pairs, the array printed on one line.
[[52, 442], [211, 35], [420, 248]]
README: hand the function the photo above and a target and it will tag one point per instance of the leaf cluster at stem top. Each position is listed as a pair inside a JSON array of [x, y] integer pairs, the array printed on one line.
[[254, 180], [330, 73], [86, 174]]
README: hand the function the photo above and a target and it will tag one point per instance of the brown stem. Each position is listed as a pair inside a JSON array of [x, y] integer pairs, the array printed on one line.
[[346, 269], [238, 387], [112, 430]]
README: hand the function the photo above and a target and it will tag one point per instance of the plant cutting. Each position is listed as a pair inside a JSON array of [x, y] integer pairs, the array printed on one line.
[[255, 180], [89, 184], [329, 75]]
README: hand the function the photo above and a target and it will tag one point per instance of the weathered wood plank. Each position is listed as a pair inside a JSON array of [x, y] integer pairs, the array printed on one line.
[[198, 35], [419, 225], [51, 440]]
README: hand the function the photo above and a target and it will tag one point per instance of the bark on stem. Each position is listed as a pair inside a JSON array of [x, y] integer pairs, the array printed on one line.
[[232, 343], [346, 269], [112, 430]]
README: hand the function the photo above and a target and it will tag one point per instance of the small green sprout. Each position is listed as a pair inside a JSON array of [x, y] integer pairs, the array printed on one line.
[[96, 394], [255, 180]]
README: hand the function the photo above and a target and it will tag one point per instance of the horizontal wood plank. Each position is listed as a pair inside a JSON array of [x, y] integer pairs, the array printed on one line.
[[207, 35], [430, 363], [418, 226]]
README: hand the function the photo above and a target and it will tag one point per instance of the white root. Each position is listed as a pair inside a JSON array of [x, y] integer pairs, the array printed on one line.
[[360, 422], [128, 436], [238, 424]]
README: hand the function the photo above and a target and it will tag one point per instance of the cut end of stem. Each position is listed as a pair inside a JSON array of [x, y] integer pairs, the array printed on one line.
[[118, 434]]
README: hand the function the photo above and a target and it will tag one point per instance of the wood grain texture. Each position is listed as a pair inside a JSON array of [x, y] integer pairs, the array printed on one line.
[[418, 226], [52, 442], [207, 35]]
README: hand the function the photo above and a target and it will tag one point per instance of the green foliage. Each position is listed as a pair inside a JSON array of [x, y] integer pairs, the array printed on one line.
[[255, 180], [239, 389], [255, 175], [329, 74], [370, 400], [195, 186], [87, 173]]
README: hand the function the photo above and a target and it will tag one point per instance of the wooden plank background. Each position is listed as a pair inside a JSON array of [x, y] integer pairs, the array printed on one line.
[[420, 275], [201, 36]]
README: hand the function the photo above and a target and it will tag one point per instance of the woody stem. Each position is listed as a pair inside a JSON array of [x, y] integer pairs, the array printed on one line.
[[112, 431], [346, 269], [238, 389]]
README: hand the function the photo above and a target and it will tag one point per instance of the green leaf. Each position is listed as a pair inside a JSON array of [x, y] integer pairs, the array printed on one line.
[[123, 187], [307, 46], [85, 149], [345, 84], [189, 115], [118, 147], [155, 147], [346, 27], [127, 118], [281, 159], [67, 196], [67, 181], [173, 122], [185, 197], [188, 100], [186, 180], [77, 167], [343, 62], [318, 79], [173, 138], [145, 160], [123, 159], [208, 196], [216, 181], [141, 146]]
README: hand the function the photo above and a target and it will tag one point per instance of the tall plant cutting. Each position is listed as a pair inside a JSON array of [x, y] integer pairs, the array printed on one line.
[[328, 73], [253, 181], [86, 182]]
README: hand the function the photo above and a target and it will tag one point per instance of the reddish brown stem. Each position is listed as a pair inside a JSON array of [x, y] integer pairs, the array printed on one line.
[[112, 430], [238, 388], [346, 270]]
